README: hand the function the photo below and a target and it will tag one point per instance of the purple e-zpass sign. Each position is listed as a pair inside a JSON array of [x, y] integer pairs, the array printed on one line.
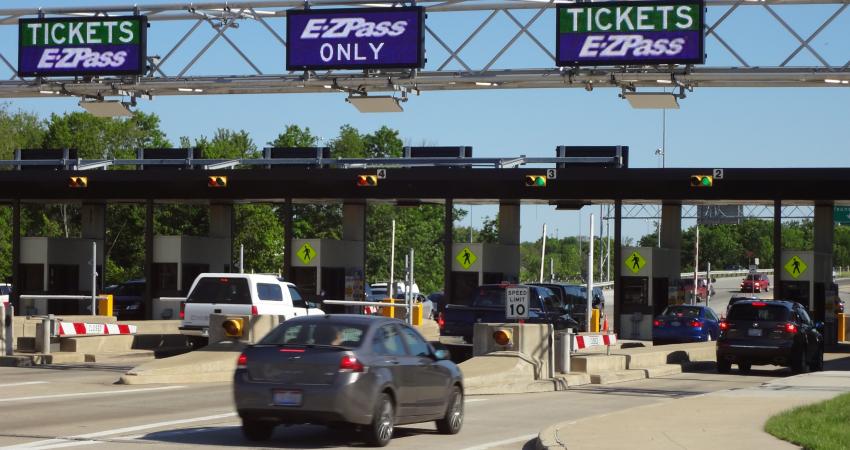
[[355, 38], [73, 46], [630, 33]]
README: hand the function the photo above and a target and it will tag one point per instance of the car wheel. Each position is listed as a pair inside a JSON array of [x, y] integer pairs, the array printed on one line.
[[380, 431], [799, 365], [723, 366], [452, 422], [255, 430], [744, 367], [817, 364]]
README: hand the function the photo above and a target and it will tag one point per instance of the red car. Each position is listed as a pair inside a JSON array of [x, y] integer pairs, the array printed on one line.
[[755, 282]]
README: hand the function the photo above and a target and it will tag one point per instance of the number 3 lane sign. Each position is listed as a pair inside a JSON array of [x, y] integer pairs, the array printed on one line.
[[516, 306]]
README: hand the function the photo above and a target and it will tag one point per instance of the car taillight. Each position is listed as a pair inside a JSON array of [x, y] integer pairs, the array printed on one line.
[[441, 321], [254, 311], [790, 328], [182, 310], [349, 363], [656, 323], [242, 362], [724, 325], [696, 323]]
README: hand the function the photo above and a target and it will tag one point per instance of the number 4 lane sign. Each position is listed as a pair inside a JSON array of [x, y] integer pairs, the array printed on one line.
[[516, 306]]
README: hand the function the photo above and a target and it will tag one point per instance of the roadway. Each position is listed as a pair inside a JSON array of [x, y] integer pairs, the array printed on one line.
[[80, 406]]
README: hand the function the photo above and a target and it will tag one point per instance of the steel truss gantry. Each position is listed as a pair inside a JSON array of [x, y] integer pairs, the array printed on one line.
[[195, 49], [653, 212]]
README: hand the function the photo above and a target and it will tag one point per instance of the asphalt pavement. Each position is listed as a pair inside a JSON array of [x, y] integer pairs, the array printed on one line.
[[71, 406]]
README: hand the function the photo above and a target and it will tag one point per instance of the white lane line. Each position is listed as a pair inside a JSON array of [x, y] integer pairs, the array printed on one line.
[[502, 442], [473, 400], [23, 383], [87, 394], [80, 439]]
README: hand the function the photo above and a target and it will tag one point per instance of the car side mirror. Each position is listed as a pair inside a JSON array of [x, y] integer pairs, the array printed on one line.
[[819, 326], [441, 352]]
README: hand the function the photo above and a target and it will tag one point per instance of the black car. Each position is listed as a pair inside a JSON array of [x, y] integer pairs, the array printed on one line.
[[574, 299], [347, 372], [769, 332], [128, 300]]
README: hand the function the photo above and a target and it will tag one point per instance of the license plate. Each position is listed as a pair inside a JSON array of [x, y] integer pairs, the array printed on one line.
[[675, 323], [754, 332], [286, 398]]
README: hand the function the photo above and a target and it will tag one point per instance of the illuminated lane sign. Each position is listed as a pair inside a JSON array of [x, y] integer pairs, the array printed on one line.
[[630, 33], [355, 38], [82, 46]]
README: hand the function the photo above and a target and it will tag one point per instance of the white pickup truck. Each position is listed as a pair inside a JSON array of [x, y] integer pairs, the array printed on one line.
[[239, 293]]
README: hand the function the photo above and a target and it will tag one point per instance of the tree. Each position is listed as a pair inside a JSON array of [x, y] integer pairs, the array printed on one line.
[[19, 130]]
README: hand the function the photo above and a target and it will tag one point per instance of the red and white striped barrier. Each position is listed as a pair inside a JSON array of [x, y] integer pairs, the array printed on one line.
[[93, 329], [583, 341]]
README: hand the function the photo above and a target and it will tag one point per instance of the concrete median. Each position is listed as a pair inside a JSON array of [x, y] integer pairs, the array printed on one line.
[[213, 363]]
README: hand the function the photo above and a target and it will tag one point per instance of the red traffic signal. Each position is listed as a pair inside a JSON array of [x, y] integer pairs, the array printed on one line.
[[367, 180], [78, 182], [217, 181]]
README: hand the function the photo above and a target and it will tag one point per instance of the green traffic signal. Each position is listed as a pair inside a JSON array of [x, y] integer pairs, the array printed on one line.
[[702, 181], [535, 180]]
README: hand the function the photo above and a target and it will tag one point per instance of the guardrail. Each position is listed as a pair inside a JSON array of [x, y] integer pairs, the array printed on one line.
[[686, 275]]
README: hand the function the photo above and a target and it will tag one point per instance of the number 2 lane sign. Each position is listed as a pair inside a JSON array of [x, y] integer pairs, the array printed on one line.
[[516, 306]]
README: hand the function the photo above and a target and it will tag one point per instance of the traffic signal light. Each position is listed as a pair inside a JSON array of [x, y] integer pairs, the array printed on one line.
[[367, 180], [78, 182], [217, 181], [535, 180], [233, 327], [702, 181], [504, 337]]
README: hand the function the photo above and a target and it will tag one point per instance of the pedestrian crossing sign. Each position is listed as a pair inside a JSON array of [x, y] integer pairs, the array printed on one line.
[[306, 253], [635, 262], [466, 258], [796, 267]]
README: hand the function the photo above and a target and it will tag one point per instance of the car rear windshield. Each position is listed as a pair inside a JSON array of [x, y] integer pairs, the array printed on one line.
[[753, 277], [324, 333], [754, 312], [234, 291], [689, 312], [489, 296]]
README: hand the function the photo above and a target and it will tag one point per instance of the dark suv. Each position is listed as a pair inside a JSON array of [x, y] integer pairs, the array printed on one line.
[[769, 332]]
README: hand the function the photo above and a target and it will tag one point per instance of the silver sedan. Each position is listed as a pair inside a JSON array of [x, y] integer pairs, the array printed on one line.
[[363, 373]]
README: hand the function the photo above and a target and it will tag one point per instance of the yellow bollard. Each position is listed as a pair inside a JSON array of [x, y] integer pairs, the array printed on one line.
[[594, 320], [104, 305], [388, 312], [842, 326], [417, 314]]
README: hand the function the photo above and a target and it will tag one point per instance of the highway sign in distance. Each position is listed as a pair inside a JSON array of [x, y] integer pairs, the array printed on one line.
[[841, 215], [516, 303]]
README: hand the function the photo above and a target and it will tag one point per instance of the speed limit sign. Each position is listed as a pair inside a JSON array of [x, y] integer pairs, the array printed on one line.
[[516, 304]]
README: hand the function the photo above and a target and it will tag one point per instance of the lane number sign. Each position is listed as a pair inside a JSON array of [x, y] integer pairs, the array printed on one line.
[[516, 306]]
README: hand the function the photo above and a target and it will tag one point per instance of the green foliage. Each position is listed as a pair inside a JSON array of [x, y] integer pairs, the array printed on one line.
[[227, 144], [295, 136], [260, 231], [563, 258], [822, 426], [103, 137], [19, 130], [125, 242]]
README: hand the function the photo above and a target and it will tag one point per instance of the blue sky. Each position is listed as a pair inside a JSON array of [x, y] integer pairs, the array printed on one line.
[[714, 127]]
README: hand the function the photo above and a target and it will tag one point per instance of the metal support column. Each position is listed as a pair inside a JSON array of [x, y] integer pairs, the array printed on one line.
[[149, 259], [777, 249], [287, 239], [16, 256], [448, 237], [618, 257]]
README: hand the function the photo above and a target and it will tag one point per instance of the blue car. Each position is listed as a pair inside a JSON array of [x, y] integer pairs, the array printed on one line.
[[685, 323]]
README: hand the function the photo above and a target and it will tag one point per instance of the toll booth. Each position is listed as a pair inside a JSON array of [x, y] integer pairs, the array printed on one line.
[[806, 277], [330, 266], [650, 283], [60, 266], [177, 261], [480, 263]]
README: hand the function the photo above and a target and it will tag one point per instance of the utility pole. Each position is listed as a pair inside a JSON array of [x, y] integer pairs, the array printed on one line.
[[590, 275], [543, 253], [696, 267]]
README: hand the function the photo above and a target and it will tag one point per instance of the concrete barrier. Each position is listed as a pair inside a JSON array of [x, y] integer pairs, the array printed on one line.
[[213, 363]]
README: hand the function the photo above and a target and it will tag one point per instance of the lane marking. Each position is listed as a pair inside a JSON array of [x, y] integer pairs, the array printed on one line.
[[23, 383], [473, 400], [81, 439], [503, 442], [86, 394]]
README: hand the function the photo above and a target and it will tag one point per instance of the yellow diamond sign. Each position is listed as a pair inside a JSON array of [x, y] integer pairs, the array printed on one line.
[[635, 262], [306, 253], [796, 267], [466, 258]]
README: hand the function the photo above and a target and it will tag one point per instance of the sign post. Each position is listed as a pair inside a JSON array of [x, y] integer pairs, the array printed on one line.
[[516, 303], [82, 46], [629, 33], [355, 38]]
